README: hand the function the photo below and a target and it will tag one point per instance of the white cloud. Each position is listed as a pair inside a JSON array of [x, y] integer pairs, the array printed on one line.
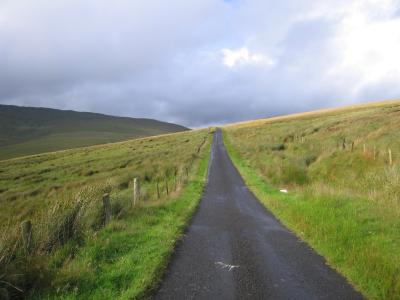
[[242, 56], [367, 43]]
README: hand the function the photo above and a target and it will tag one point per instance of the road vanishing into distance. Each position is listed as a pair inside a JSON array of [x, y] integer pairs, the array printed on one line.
[[236, 249]]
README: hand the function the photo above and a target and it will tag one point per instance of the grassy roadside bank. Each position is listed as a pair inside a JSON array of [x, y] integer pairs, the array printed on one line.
[[74, 248], [127, 258], [358, 237]]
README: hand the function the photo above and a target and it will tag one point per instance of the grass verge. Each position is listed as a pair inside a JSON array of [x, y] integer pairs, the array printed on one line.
[[127, 258], [350, 232]]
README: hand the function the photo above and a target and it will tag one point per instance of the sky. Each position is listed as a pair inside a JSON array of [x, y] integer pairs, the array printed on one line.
[[198, 62]]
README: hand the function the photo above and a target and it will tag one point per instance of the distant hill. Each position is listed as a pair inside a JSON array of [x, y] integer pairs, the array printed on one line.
[[31, 130]]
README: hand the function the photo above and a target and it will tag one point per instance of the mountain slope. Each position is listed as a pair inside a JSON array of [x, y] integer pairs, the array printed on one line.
[[333, 178], [29, 130]]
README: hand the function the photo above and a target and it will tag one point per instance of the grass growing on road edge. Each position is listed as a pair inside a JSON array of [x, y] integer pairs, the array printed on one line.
[[127, 258], [61, 194], [347, 233]]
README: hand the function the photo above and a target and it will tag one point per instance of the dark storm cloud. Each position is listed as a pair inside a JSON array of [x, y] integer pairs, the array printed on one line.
[[197, 62]]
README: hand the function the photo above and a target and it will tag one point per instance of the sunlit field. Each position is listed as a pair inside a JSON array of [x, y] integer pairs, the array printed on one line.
[[341, 168], [75, 252]]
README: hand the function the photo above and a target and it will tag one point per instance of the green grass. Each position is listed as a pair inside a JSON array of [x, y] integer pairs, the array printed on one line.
[[55, 142], [32, 183], [343, 202], [61, 192], [127, 258], [27, 130]]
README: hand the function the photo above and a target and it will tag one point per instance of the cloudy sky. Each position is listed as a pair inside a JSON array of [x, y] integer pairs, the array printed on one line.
[[198, 62]]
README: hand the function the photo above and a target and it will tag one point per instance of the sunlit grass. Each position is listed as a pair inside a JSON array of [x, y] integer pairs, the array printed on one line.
[[126, 259], [343, 200], [61, 193]]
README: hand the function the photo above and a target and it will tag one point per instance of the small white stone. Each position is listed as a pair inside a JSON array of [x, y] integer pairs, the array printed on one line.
[[283, 190]]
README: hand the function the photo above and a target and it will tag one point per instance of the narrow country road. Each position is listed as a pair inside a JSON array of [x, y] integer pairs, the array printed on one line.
[[235, 249]]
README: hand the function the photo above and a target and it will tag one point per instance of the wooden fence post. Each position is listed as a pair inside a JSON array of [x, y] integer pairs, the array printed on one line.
[[344, 144], [175, 173], [166, 185], [352, 146], [390, 157], [136, 191], [26, 231], [107, 208]]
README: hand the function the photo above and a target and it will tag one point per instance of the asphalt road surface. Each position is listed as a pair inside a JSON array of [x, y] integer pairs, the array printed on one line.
[[235, 249]]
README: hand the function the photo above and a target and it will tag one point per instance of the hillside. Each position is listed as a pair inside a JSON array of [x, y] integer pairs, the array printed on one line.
[[75, 253], [29, 130], [341, 170]]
